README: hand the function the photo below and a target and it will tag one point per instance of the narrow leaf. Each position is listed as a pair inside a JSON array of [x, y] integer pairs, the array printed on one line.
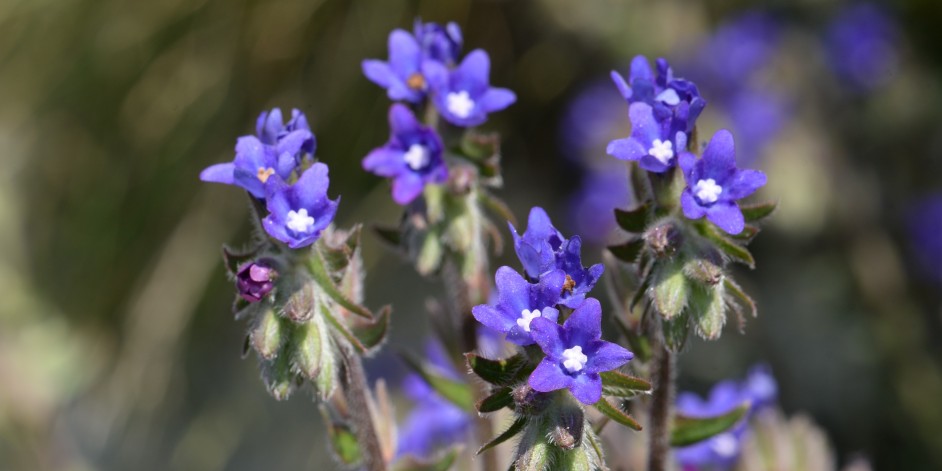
[[373, 333], [498, 207], [514, 429], [442, 463], [755, 212], [748, 233], [733, 250], [495, 402], [739, 297], [457, 392], [391, 236], [343, 329], [617, 415], [319, 272], [621, 385], [504, 372], [632, 220], [628, 251], [689, 430]]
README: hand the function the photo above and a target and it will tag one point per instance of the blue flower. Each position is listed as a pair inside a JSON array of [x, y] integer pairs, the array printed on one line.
[[652, 143], [401, 76], [542, 249], [299, 212], [862, 46], [412, 157], [434, 422], [674, 99], [278, 149], [439, 43], [760, 388], [591, 207], [714, 184], [520, 302], [575, 353], [720, 451], [463, 95]]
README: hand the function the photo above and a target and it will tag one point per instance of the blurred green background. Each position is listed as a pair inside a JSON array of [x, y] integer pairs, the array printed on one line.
[[117, 346]]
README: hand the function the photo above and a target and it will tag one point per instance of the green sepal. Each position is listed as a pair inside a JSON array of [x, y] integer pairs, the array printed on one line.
[[628, 251], [633, 220], [269, 333], [373, 333], [337, 257], [748, 233], [755, 212], [708, 310], [318, 269], [689, 430], [343, 442], [670, 287], [278, 377], [514, 429], [616, 414], [500, 399], [621, 385], [676, 331], [233, 258], [429, 253], [444, 462], [739, 298], [308, 343], [344, 330], [456, 392], [721, 241], [506, 372]]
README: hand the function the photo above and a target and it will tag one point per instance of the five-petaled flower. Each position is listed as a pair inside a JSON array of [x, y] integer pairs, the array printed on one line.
[[412, 157], [299, 212], [463, 95], [401, 76], [519, 303], [277, 149], [575, 353], [652, 143], [714, 184]]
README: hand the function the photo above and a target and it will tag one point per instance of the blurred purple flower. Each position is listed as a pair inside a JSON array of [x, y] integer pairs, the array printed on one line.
[[714, 184], [575, 353], [760, 388], [434, 422], [412, 157], [924, 224], [299, 212], [593, 117], [401, 76], [862, 45], [737, 50], [255, 280], [720, 451], [520, 302], [439, 43], [463, 95], [591, 207], [757, 116]]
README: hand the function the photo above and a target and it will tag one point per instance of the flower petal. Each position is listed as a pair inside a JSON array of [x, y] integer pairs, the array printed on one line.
[[621, 85], [474, 72], [492, 317], [549, 336], [727, 216], [691, 207], [496, 99], [605, 356], [219, 173], [385, 162], [627, 148], [406, 187], [548, 376], [744, 183], [311, 187], [585, 323], [643, 125], [402, 120], [587, 388], [719, 157], [512, 290], [404, 53]]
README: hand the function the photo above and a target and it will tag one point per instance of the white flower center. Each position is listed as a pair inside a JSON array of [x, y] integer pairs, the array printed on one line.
[[416, 157], [725, 445], [527, 316], [662, 151], [299, 221], [459, 104], [573, 359], [707, 191], [668, 97]]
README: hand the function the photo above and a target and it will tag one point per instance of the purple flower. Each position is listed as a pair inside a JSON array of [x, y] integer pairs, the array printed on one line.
[[543, 249], [434, 422], [720, 451], [575, 353], [278, 150], [861, 44], [673, 99], [760, 388], [590, 208], [652, 143], [714, 184], [738, 49], [255, 280], [412, 157], [401, 76], [463, 95], [924, 224], [520, 302], [439, 43], [299, 212], [757, 117], [592, 118]]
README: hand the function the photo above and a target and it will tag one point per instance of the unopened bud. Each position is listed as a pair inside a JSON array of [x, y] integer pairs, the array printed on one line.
[[663, 239], [528, 401], [255, 280]]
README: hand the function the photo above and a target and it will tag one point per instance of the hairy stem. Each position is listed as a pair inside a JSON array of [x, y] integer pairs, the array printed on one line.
[[355, 390], [662, 409]]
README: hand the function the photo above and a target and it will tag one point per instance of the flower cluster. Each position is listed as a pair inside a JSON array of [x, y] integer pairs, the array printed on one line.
[[277, 165], [663, 110], [423, 69], [528, 308], [721, 451]]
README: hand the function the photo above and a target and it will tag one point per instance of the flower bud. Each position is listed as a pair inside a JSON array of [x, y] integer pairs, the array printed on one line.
[[663, 239], [255, 280]]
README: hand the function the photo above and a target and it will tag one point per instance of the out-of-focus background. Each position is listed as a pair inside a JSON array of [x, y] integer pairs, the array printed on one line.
[[117, 346]]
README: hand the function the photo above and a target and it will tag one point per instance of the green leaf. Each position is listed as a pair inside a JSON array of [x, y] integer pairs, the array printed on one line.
[[628, 251], [670, 288], [389, 235], [616, 414], [343, 329], [373, 333], [504, 372], [755, 212], [318, 270], [429, 252], [621, 385], [733, 250], [343, 441], [689, 430], [496, 401], [497, 206], [633, 220], [514, 429], [442, 463], [748, 233], [739, 297], [457, 392]]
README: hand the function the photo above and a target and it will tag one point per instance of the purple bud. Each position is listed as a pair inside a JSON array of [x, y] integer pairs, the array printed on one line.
[[255, 281]]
